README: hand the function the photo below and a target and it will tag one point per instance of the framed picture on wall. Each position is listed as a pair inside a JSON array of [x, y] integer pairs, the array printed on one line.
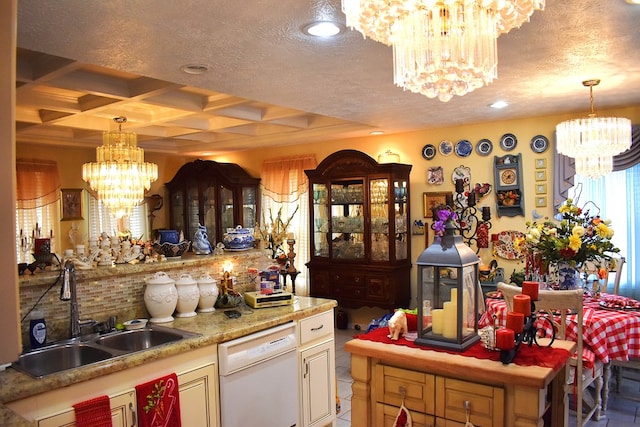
[[541, 188], [433, 199], [541, 175], [541, 201], [71, 201], [541, 163]]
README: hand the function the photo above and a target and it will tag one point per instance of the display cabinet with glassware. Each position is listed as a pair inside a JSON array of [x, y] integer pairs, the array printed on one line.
[[217, 195], [359, 235]]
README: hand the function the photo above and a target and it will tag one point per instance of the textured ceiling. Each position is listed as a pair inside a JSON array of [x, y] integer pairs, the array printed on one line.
[[269, 84]]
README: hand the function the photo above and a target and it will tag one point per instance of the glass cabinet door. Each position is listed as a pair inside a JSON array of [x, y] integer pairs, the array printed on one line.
[[226, 199], [379, 194], [249, 207], [193, 211], [177, 210], [400, 211], [347, 220], [209, 201], [320, 221]]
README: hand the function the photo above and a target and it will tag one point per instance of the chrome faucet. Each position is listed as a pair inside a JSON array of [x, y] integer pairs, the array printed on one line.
[[68, 292]]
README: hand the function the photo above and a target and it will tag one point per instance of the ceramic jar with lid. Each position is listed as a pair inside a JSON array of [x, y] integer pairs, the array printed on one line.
[[238, 239], [188, 296], [208, 293], [160, 297]]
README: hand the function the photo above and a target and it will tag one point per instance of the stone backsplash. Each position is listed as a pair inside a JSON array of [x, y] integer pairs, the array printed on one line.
[[119, 290]]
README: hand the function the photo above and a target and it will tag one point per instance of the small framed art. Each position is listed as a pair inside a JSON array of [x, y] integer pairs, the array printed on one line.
[[541, 201], [541, 188], [541, 175], [433, 199], [541, 163], [71, 200]]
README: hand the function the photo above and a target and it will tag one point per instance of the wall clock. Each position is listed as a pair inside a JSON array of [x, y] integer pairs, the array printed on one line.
[[508, 177]]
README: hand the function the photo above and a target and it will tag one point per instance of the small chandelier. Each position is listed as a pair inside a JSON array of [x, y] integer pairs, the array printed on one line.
[[120, 175], [441, 48], [593, 141]]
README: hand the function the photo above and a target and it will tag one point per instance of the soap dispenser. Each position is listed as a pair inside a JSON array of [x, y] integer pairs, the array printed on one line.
[[37, 330]]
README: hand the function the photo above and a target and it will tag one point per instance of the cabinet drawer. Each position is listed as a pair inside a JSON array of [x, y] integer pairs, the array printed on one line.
[[388, 414], [417, 388], [486, 403], [316, 327]]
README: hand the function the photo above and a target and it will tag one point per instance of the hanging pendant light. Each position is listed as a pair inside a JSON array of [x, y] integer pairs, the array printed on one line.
[[120, 175], [593, 141], [441, 48]]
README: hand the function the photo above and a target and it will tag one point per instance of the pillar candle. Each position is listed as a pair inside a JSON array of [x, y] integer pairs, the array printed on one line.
[[450, 326], [531, 289], [505, 339], [522, 304], [454, 295], [437, 320], [515, 321]]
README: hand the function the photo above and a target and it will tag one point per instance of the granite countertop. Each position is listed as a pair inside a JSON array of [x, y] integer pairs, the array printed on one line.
[[214, 328]]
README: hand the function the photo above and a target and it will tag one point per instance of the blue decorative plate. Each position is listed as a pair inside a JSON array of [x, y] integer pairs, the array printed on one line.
[[484, 147], [446, 147], [508, 141], [463, 148], [539, 144], [428, 151]]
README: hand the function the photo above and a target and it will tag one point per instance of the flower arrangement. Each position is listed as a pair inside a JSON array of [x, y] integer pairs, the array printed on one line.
[[275, 231], [579, 236], [444, 214]]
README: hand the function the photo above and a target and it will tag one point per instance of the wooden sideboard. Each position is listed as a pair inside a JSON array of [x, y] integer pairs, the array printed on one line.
[[435, 386]]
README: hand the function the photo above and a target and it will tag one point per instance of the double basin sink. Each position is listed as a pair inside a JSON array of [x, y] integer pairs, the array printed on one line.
[[77, 352]]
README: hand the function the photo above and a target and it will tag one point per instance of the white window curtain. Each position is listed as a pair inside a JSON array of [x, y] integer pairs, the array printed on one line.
[[37, 205], [285, 186], [101, 220], [618, 197]]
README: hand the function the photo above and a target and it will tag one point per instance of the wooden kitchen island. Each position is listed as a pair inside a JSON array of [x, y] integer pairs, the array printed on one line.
[[436, 387]]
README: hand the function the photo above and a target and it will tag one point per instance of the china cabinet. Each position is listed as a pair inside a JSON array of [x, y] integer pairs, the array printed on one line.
[[216, 195], [360, 244]]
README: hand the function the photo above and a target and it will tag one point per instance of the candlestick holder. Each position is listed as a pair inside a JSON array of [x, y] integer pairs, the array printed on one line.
[[471, 228], [292, 255], [530, 335]]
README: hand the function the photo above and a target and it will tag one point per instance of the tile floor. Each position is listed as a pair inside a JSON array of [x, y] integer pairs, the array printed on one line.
[[621, 411]]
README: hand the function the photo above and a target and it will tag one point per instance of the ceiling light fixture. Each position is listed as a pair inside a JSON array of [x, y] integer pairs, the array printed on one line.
[[323, 29], [593, 141], [441, 48], [498, 105], [194, 68], [120, 175]]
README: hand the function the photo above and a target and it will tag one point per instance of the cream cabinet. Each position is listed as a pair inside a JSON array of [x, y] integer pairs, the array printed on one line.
[[197, 373], [316, 356]]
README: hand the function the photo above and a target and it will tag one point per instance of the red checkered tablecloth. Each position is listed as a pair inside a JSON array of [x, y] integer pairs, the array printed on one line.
[[611, 334]]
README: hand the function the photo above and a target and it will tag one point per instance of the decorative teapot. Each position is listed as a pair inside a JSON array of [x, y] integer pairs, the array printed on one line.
[[238, 238]]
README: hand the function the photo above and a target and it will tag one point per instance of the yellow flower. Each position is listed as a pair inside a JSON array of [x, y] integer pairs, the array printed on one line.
[[577, 230], [603, 231], [575, 242]]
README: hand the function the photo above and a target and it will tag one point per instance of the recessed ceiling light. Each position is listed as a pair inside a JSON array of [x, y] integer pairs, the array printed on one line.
[[194, 68], [499, 104], [323, 29], [633, 1], [376, 132]]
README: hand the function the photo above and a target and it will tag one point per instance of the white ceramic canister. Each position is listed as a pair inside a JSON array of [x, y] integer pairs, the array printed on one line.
[[160, 297], [188, 296], [208, 293]]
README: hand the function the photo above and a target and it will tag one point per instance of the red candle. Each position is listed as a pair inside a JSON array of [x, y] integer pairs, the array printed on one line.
[[531, 289], [505, 339], [522, 304], [515, 321]]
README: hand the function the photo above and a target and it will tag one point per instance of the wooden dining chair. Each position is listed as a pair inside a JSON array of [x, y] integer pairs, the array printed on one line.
[[580, 378]]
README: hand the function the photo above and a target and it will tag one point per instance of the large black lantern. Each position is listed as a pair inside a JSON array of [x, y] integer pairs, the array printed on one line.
[[448, 293]]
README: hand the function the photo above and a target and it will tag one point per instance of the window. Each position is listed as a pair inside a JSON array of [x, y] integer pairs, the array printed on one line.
[[618, 197], [100, 220]]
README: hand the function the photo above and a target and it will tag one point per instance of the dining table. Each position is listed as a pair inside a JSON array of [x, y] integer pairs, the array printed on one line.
[[611, 328]]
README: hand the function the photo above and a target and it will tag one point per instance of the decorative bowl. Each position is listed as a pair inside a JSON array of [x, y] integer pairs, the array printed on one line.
[[134, 324], [172, 249]]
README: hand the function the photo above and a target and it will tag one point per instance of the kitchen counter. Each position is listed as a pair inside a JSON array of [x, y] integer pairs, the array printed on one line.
[[214, 328]]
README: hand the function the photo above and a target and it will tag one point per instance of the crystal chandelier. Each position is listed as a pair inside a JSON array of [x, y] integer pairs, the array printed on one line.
[[441, 48], [593, 141], [120, 175]]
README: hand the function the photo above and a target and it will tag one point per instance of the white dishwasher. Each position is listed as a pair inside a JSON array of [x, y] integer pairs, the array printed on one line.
[[259, 380]]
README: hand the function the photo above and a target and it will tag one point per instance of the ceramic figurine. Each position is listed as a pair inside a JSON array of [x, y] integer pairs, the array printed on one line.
[[201, 245], [398, 325]]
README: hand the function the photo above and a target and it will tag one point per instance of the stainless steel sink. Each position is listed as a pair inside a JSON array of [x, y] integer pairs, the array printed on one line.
[[76, 353], [60, 357], [142, 339]]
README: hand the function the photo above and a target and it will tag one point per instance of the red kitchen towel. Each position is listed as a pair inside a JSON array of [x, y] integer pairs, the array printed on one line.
[[159, 402], [94, 412]]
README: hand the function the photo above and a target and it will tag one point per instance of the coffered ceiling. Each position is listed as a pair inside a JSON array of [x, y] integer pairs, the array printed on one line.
[[81, 63]]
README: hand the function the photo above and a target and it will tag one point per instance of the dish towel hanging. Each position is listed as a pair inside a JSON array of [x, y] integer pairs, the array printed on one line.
[[94, 412], [159, 402], [403, 419]]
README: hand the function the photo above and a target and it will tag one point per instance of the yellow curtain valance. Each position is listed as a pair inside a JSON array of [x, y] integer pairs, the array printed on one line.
[[38, 183]]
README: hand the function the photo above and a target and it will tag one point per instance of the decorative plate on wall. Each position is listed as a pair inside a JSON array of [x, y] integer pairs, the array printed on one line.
[[539, 144], [435, 175], [463, 148], [508, 141], [428, 151], [463, 173], [484, 147], [504, 247], [446, 147]]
